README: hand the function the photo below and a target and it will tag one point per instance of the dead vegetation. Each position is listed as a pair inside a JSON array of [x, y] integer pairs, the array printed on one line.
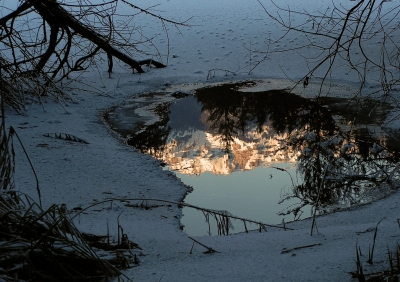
[[39, 244]]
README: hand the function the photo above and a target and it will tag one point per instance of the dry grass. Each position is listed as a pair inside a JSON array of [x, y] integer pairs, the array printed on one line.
[[44, 244], [19, 89], [39, 244]]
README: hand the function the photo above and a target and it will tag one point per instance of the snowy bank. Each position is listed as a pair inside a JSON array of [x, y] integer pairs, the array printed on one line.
[[80, 174]]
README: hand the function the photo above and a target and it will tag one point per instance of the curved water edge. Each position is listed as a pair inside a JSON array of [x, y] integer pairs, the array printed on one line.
[[245, 128]]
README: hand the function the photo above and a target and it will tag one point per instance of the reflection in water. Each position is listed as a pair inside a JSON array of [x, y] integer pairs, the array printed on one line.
[[153, 139], [340, 151], [221, 130], [340, 164]]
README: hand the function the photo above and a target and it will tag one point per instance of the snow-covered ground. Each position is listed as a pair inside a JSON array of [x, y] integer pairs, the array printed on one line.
[[80, 174]]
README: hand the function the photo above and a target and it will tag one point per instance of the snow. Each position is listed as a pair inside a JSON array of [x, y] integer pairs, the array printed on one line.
[[80, 174]]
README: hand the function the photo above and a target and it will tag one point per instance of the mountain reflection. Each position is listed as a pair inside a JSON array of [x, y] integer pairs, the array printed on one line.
[[222, 129]]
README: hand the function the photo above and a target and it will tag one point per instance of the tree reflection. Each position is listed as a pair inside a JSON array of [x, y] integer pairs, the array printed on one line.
[[152, 138], [227, 110], [232, 111], [335, 165], [339, 166]]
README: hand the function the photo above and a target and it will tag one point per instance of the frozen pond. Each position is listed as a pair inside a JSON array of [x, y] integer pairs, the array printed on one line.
[[268, 156]]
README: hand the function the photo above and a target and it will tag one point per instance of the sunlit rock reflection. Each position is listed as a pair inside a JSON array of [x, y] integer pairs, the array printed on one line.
[[207, 152]]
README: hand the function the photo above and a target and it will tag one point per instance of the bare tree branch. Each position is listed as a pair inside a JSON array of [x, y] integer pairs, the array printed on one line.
[[51, 39]]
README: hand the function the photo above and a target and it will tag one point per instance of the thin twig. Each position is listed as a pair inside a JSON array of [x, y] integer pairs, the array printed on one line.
[[209, 250], [182, 204], [13, 132], [285, 251]]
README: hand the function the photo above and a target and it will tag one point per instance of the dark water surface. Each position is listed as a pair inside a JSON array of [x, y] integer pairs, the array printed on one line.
[[245, 152]]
